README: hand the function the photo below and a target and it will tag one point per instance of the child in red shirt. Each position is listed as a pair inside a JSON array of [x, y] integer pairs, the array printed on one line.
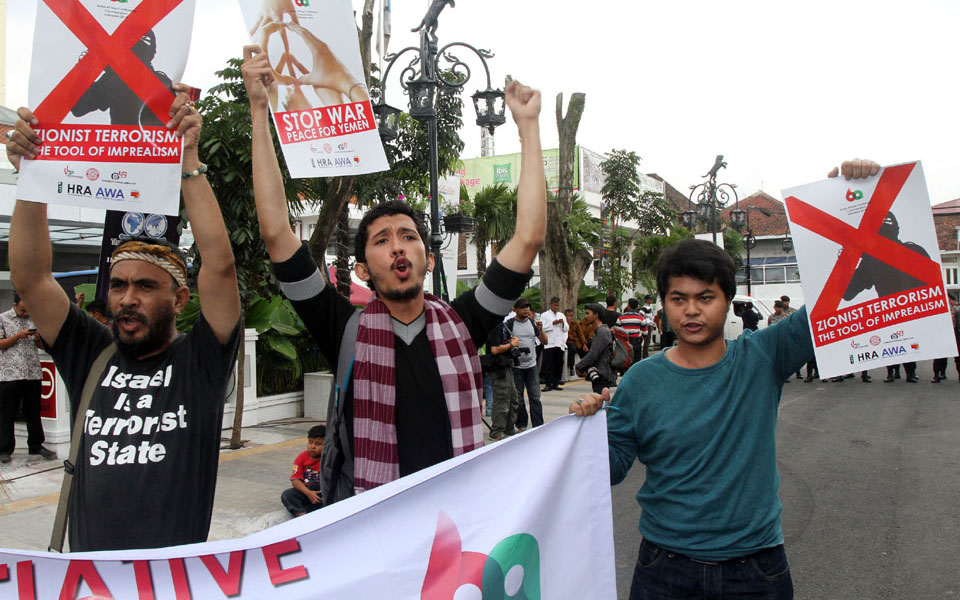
[[305, 496]]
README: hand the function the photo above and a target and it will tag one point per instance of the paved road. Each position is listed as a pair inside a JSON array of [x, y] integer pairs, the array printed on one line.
[[870, 484]]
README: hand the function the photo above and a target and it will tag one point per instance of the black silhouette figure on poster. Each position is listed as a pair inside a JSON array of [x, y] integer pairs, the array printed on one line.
[[874, 273], [110, 92]]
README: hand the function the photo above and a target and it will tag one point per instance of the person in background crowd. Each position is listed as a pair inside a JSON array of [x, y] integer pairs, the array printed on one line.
[[812, 371], [501, 346], [893, 372], [305, 494], [556, 328], [751, 318], [576, 342], [589, 329], [20, 377], [777, 315], [98, 310], [635, 323], [648, 313], [610, 314], [595, 366], [667, 336], [525, 369], [940, 364]]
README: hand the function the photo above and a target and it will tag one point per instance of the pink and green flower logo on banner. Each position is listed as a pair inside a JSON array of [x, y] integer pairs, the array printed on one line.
[[510, 572]]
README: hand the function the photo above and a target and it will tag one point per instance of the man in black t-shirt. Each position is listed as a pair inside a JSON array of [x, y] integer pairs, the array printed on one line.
[[147, 462], [421, 403], [610, 314]]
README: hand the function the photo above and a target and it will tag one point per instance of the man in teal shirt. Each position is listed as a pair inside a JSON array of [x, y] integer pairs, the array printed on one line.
[[702, 418]]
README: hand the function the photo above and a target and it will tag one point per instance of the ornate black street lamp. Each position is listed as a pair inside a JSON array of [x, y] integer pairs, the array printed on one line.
[[710, 197], [423, 79], [739, 218]]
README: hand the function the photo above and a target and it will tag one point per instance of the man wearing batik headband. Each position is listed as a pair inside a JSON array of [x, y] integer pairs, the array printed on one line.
[[413, 397], [147, 465]]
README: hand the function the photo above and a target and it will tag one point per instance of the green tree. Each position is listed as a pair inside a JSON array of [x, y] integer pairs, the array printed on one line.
[[494, 209], [733, 244], [563, 261], [623, 202], [646, 253]]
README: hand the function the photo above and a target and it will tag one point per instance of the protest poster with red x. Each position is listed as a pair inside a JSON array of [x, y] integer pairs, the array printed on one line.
[[870, 269], [100, 85]]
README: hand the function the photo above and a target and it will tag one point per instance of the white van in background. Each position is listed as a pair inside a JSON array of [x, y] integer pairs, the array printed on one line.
[[734, 324]]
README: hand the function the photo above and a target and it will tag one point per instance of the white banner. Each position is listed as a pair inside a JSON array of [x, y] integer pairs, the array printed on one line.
[[867, 251], [319, 101], [100, 86], [527, 518]]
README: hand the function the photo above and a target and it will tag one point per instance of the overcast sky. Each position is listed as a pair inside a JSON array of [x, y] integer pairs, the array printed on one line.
[[783, 90]]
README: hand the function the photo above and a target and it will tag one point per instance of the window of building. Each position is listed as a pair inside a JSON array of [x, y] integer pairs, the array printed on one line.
[[950, 275], [771, 269]]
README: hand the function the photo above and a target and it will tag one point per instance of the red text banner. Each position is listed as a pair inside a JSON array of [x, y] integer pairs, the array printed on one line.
[[877, 314], [325, 122], [480, 524], [111, 143]]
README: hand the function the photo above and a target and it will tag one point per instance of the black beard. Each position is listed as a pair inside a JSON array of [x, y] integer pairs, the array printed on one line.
[[404, 294], [158, 332], [401, 294]]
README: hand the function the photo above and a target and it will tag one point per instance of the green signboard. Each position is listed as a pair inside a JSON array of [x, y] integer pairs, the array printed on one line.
[[478, 173]]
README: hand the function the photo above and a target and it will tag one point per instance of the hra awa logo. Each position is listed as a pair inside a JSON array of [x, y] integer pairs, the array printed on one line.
[[510, 572], [85, 191]]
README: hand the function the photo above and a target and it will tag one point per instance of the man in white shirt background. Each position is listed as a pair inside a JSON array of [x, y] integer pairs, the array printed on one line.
[[555, 326]]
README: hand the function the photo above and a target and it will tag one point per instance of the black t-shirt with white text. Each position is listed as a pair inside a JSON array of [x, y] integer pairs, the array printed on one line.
[[147, 466]]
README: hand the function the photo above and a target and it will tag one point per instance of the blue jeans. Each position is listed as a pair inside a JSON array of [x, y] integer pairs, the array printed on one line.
[[664, 575], [529, 379]]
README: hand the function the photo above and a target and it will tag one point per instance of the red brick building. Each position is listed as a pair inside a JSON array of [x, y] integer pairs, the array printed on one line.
[[946, 219]]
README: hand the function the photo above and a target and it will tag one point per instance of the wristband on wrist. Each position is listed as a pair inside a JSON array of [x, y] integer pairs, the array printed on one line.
[[201, 170]]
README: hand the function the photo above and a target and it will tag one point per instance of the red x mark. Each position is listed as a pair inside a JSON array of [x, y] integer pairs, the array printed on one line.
[[863, 239], [108, 50]]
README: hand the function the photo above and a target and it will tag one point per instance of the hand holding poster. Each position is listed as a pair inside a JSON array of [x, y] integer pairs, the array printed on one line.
[[868, 252], [100, 86], [317, 94]]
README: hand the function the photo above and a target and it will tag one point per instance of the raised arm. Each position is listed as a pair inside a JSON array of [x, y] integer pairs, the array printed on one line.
[[217, 280], [31, 257], [528, 235], [268, 191]]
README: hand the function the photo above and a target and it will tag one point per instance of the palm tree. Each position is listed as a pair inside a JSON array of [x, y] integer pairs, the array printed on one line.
[[495, 212]]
